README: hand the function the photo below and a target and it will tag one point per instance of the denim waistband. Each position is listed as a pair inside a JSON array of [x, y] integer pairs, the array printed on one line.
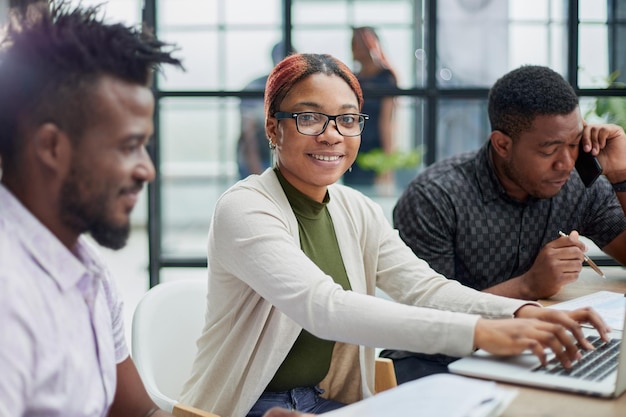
[[304, 399], [294, 392]]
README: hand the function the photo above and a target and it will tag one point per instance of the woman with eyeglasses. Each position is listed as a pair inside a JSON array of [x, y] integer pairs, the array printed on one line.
[[294, 261]]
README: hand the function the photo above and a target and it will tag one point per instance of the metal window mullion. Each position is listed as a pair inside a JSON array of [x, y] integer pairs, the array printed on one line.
[[432, 93], [154, 188]]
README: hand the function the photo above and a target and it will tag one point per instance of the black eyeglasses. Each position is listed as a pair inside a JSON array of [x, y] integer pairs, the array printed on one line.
[[314, 123]]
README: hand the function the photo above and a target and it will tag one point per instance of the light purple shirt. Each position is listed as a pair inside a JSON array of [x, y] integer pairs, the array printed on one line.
[[61, 322]]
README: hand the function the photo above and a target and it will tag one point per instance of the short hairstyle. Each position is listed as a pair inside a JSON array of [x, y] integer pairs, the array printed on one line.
[[297, 67], [51, 57], [516, 99]]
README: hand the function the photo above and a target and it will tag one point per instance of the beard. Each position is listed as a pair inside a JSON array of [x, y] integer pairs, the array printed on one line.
[[86, 212], [110, 236]]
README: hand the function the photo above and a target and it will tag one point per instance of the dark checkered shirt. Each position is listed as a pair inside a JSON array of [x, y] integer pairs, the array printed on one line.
[[457, 217]]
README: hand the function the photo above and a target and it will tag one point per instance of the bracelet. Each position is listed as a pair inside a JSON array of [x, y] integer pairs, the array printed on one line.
[[619, 187]]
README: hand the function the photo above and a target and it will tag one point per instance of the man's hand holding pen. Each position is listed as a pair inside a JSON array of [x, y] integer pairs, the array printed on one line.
[[557, 264], [589, 261]]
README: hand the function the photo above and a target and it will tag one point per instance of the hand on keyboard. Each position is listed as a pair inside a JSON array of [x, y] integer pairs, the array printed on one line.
[[593, 365], [537, 328]]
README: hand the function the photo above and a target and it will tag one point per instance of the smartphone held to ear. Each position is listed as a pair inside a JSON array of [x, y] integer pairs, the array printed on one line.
[[587, 166]]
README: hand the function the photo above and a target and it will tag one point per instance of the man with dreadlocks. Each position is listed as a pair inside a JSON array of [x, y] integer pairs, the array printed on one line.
[[75, 115]]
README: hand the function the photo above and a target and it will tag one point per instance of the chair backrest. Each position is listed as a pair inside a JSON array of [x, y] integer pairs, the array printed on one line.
[[166, 323]]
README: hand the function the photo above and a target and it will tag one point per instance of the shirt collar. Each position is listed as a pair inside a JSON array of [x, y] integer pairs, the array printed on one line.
[[490, 186], [65, 268]]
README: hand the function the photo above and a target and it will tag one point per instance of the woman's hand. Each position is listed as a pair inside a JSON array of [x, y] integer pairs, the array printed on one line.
[[536, 329]]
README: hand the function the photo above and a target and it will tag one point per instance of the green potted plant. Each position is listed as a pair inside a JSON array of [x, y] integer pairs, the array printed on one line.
[[380, 162], [398, 162]]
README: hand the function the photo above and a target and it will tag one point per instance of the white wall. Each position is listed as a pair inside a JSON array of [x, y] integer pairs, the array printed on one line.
[[4, 8]]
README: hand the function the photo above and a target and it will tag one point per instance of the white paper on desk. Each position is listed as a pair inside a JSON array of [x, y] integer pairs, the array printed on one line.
[[609, 304], [441, 395]]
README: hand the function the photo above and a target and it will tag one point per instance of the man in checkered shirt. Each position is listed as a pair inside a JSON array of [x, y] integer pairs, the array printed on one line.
[[491, 218]]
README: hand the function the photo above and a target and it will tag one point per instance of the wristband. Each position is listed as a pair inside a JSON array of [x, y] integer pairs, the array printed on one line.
[[619, 187]]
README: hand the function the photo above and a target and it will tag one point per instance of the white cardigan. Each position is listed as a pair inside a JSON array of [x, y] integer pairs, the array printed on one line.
[[263, 290]]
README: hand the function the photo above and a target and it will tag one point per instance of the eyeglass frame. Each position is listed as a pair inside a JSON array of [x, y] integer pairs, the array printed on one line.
[[284, 115]]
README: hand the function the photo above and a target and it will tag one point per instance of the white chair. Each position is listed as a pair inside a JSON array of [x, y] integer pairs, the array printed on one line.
[[166, 324]]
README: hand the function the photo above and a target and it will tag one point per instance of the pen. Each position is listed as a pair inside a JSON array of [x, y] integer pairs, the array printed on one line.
[[591, 263]]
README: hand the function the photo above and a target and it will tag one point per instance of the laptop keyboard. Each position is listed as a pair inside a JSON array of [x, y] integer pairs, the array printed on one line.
[[594, 365]]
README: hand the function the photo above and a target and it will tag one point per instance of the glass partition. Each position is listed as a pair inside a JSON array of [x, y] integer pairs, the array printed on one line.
[[462, 125], [199, 137], [446, 54]]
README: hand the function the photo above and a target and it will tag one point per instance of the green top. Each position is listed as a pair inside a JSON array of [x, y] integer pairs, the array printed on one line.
[[308, 361]]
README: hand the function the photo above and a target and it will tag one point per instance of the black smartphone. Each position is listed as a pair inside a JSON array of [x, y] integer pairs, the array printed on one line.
[[587, 166]]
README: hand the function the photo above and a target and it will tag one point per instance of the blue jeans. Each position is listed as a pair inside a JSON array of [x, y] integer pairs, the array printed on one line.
[[304, 399]]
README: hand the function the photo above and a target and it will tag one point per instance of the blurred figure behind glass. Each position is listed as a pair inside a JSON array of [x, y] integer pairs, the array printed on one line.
[[374, 73], [253, 152]]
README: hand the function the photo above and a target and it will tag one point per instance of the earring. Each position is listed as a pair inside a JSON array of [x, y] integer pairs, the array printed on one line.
[[272, 145], [350, 169]]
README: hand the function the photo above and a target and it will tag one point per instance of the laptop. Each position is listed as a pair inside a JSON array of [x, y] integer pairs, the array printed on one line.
[[601, 372]]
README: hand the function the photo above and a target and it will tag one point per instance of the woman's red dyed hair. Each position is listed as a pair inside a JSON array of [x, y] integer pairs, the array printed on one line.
[[297, 67]]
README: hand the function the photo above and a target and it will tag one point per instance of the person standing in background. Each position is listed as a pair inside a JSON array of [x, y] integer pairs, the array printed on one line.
[[374, 73], [253, 152]]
